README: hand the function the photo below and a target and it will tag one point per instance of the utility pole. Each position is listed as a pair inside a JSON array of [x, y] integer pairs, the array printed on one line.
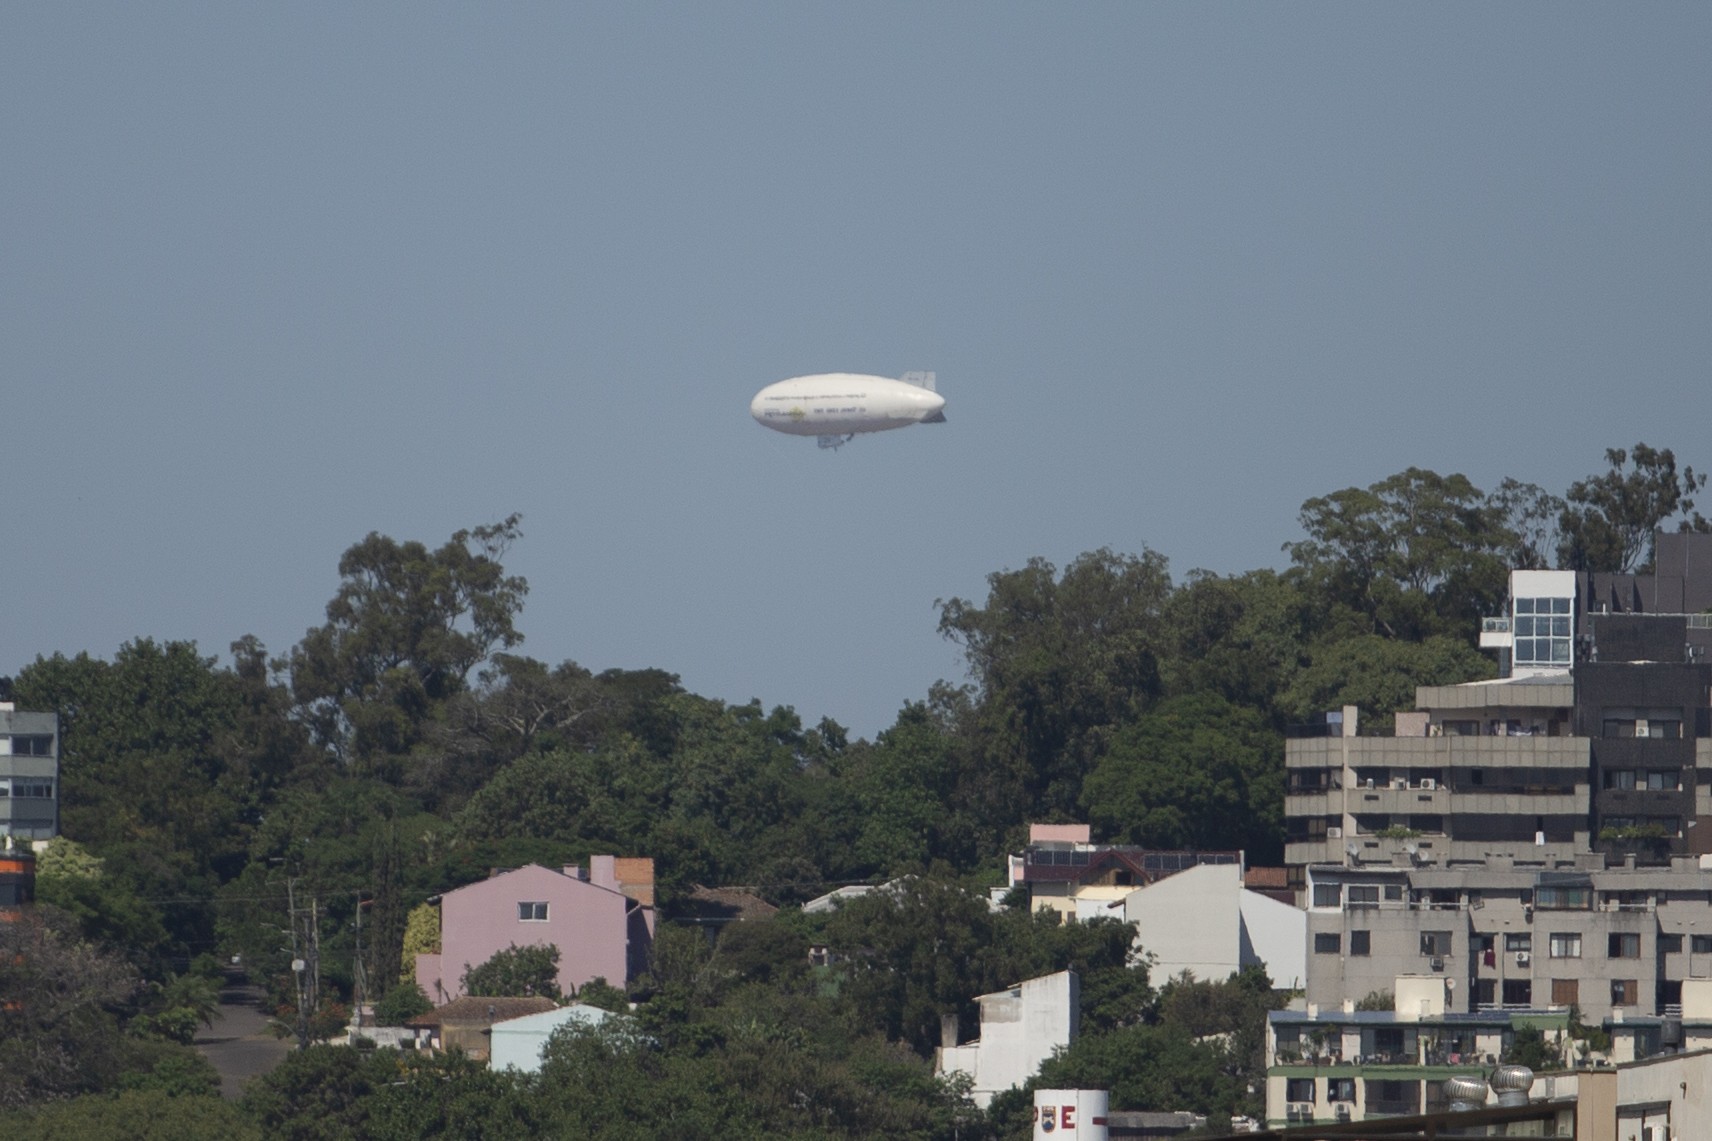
[[305, 958], [359, 974]]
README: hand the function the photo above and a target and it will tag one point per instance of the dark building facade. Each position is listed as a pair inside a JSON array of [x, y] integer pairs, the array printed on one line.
[[1643, 700]]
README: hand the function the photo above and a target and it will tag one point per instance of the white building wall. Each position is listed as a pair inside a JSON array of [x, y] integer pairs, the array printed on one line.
[[1202, 920], [1190, 921], [1276, 935], [1020, 1029], [520, 1043]]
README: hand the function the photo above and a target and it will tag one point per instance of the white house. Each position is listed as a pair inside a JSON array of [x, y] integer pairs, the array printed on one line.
[[521, 1043], [1204, 921], [1020, 1029]]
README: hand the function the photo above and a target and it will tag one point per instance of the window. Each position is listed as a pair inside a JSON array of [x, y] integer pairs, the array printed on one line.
[[1461, 729], [1361, 943], [1435, 942], [1541, 629], [1565, 992], [1564, 898], [532, 912], [1299, 1089], [1328, 895], [1394, 1097], [1623, 992], [1363, 895], [32, 746], [1394, 892], [1700, 944], [1309, 780], [1328, 944], [1565, 945], [1625, 946], [1669, 944], [1432, 824], [1620, 778], [5, 787], [29, 787], [1340, 1089], [1665, 780], [1519, 941], [1657, 724], [1518, 992]]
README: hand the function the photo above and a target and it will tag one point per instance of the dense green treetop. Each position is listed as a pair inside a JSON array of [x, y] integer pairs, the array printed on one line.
[[1609, 520]]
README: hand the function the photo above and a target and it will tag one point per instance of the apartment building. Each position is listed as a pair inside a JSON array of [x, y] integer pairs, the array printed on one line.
[[29, 774], [1598, 737], [1616, 943]]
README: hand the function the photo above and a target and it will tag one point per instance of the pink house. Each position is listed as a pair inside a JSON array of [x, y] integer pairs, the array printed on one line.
[[602, 921]]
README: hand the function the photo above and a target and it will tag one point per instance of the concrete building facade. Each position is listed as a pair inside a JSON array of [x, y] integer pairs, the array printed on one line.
[[29, 774], [1618, 944]]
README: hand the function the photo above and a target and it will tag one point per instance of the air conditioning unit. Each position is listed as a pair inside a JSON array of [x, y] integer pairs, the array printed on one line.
[[1429, 783], [1399, 782], [1368, 783], [1301, 1110], [1523, 958], [1342, 1111], [1438, 963], [1334, 833]]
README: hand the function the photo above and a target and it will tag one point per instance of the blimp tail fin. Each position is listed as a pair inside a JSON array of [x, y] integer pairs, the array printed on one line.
[[920, 380]]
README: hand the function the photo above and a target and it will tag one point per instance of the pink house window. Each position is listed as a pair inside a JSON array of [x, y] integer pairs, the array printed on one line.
[[532, 912]]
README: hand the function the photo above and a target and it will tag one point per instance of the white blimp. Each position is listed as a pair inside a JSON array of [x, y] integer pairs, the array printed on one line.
[[835, 406]]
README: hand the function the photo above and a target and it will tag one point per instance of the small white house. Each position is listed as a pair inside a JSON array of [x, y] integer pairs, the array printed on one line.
[[520, 1043], [1204, 921], [1020, 1029]]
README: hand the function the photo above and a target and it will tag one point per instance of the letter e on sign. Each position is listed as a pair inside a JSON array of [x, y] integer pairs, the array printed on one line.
[[1067, 1117]]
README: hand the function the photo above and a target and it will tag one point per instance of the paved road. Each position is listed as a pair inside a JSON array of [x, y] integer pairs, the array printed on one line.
[[239, 1043]]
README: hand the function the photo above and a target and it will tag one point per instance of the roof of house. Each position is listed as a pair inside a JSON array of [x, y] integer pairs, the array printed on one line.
[[717, 904], [499, 874], [481, 1011], [557, 1016], [1059, 865]]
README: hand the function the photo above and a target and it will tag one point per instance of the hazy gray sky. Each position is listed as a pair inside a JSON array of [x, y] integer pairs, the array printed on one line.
[[275, 276]]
